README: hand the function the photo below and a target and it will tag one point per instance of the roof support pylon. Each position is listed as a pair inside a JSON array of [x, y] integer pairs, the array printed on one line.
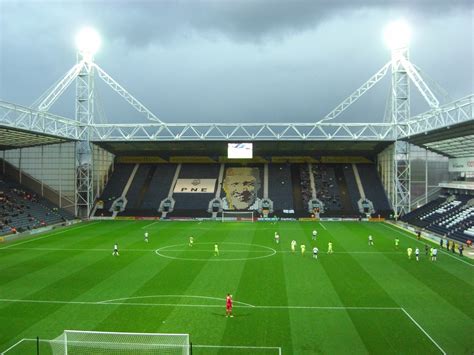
[[84, 194], [400, 112]]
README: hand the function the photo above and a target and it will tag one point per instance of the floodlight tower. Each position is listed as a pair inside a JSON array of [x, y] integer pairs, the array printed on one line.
[[88, 43], [397, 37]]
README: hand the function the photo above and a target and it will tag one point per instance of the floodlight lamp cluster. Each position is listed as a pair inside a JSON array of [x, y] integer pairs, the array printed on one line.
[[88, 42], [397, 35]]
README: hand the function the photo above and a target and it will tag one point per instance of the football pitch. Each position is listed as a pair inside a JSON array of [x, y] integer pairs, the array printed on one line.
[[361, 299]]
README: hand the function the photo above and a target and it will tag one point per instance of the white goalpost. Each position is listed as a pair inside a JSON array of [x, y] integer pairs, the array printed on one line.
[[238, 216], [81, 342]]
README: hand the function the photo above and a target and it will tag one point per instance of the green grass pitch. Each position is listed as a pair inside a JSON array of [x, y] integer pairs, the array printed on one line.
[[361, 299]]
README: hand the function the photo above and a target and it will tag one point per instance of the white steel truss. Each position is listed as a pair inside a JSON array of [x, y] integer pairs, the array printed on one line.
[[455, 112], [20, 117], [61, 87], [422, 87], [357, 94], [250, 131], [84, 196], [137, 105], [400, 116]]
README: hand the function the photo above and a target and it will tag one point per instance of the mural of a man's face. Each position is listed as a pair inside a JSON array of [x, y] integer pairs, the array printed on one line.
[[241, 186]]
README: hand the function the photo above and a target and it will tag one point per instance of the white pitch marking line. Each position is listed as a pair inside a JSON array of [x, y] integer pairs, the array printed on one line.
[[283, 251], [408, 236], [101, 303], [221, 250], [177, 296], [148, 225], [237, 347], [341, 308], [78, 249], [424, 331], [194, 345], [48, 235], [165, 248], [11, 347], [322, 225], [368, 252], [199, 251]]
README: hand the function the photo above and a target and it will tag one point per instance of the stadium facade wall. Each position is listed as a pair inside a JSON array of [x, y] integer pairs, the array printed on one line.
[[286, 203]]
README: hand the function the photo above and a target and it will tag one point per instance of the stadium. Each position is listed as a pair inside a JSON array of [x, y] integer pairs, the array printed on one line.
[[177, 238]]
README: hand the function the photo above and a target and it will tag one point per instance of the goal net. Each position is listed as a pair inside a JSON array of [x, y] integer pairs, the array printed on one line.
[[79, 342], [237, 216]]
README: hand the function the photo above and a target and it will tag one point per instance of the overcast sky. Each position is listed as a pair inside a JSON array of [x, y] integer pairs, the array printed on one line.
[[234, 61]]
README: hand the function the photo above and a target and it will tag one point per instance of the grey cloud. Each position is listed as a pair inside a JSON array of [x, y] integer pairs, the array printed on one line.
[[253, 21], [140, 23], [242, 61]]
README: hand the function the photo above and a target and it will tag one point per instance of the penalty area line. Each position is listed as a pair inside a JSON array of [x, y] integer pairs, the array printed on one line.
[[424, 331], [277, 348], [175, 296]]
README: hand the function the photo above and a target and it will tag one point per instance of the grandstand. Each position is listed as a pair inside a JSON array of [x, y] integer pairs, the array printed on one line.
[[22, 210], [415, 171], [286, 184]]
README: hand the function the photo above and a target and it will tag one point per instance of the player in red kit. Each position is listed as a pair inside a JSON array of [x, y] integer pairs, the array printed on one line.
[[228, 305]]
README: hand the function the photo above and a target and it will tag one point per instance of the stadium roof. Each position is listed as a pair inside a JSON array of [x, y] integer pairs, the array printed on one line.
[[16, 138], [261, 148], [452, 141]]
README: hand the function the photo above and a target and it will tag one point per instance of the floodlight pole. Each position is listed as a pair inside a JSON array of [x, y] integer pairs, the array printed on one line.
[[84, 196], [400, 112]]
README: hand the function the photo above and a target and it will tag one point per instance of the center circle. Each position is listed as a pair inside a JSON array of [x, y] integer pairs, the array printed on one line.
[[162, 252]]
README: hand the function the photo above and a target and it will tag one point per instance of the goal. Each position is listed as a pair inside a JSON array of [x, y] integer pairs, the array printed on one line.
[[80, 342], [237, 216]]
